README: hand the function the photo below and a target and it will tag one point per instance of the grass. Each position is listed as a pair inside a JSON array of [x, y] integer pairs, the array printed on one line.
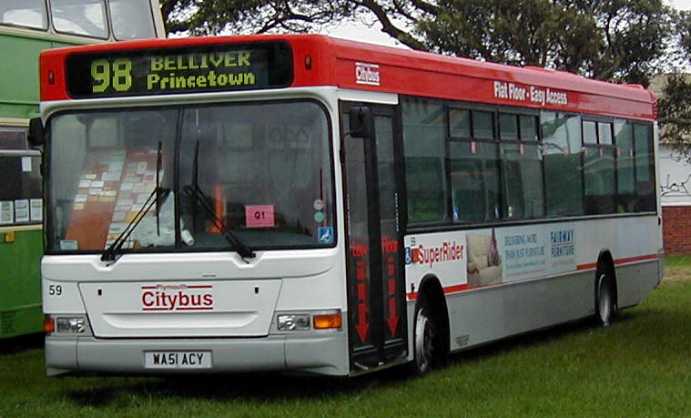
[[641, 366]]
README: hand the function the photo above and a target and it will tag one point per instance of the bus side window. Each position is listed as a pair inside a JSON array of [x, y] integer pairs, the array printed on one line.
[[424, 136], [645, 167], [626, 182], [599, 168], [521, 159], [561, 140]]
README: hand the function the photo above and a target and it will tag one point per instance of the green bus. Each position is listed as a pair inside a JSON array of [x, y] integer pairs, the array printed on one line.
[[26, 28]]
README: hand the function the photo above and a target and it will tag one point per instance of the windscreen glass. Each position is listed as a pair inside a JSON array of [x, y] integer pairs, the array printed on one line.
[[80, 17], [132, 19], [28, 13], [103, 167], [261, 171]]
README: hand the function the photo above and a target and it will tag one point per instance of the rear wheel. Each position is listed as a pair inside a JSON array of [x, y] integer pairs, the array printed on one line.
[[604, 309]]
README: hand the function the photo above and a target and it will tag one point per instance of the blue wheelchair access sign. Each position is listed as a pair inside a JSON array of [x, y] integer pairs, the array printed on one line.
[[325, 234]]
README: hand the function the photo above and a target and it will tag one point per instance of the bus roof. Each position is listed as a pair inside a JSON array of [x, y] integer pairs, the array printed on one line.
[[324, 61]]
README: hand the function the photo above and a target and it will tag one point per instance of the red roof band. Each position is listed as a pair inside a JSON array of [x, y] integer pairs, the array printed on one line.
[[355, 65]]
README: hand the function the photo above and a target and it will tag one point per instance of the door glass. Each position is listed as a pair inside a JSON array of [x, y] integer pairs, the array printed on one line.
[[359, 251], [388, 225]]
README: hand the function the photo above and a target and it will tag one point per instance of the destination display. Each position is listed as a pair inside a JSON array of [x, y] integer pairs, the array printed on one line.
[[180, 70]]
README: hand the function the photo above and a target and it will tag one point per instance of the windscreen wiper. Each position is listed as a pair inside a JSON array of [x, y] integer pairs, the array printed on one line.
[[194, 192], [158, 194]]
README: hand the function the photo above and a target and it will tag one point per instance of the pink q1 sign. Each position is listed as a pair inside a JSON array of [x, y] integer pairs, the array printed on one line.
[[259, 216]]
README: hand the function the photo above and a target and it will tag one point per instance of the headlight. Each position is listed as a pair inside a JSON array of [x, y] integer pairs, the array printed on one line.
[[70, 325], [294, 322]]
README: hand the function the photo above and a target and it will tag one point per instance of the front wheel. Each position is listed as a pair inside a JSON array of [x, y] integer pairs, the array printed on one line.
[[426, 340], [604, 309]]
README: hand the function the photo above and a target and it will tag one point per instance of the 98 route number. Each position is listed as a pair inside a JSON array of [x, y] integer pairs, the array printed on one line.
[[117, 74]]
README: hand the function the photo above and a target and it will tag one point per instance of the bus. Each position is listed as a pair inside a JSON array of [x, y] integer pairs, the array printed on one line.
[[312, 205], [26, 28]]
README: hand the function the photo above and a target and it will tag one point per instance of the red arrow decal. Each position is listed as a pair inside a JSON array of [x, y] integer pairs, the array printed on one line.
[[361, 293], [392, 287], [362, 327], [392, 320]]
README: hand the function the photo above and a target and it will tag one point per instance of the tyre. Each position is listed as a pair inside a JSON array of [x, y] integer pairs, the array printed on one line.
[[604, 301], [426, 341]]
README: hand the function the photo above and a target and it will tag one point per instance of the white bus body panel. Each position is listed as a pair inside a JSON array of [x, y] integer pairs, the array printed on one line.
[[542, 275]]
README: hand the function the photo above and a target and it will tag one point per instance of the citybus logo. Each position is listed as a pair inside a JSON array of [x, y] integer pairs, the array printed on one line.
[[367, 74], [177, 298], [447, 252]]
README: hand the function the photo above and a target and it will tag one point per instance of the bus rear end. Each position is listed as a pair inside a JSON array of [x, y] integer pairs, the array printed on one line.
[[191, 212]]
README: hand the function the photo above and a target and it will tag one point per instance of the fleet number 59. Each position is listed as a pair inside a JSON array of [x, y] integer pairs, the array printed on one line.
[[117, 74], [55, 290]]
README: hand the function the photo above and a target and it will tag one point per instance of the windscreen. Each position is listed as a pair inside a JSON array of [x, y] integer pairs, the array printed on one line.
[[132, 19], [259, 170], [80, 17]]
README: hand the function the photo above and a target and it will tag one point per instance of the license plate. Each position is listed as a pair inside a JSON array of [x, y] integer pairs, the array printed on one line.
[[177, 359]]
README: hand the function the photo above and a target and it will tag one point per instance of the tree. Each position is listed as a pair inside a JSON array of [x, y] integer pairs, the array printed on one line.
[[675, 102], [615, 40], [621, 40]]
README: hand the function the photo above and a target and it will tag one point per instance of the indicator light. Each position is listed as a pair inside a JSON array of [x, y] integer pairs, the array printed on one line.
[[48, 325], [328, 320]]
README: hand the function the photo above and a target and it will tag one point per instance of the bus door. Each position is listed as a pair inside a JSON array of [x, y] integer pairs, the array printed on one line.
[[376, 283]]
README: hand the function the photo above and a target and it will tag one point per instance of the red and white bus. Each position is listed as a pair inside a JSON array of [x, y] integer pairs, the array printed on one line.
[[315, 205]]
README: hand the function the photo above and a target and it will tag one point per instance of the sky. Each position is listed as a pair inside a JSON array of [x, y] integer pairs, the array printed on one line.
[[681, 4], [361, 32]]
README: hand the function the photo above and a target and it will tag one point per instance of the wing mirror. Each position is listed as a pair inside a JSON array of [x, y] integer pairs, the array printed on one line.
[[361, 122], [36, 133]]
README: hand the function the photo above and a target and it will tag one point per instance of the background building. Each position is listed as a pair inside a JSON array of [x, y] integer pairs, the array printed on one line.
[[675, 192]]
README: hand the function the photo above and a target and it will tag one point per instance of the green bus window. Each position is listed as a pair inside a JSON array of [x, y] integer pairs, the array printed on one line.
[[131, 20], [645, 167], [20, 197], [12, 138], [474, 172], [26, 13], [80, 17], [561, 138], [626, 183], [424, 135]]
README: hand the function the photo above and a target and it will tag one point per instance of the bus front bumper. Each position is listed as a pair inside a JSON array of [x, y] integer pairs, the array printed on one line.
[[325, 354]]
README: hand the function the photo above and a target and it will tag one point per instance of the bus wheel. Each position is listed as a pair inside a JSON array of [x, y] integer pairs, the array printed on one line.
[[426, 340], [604, 309]]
